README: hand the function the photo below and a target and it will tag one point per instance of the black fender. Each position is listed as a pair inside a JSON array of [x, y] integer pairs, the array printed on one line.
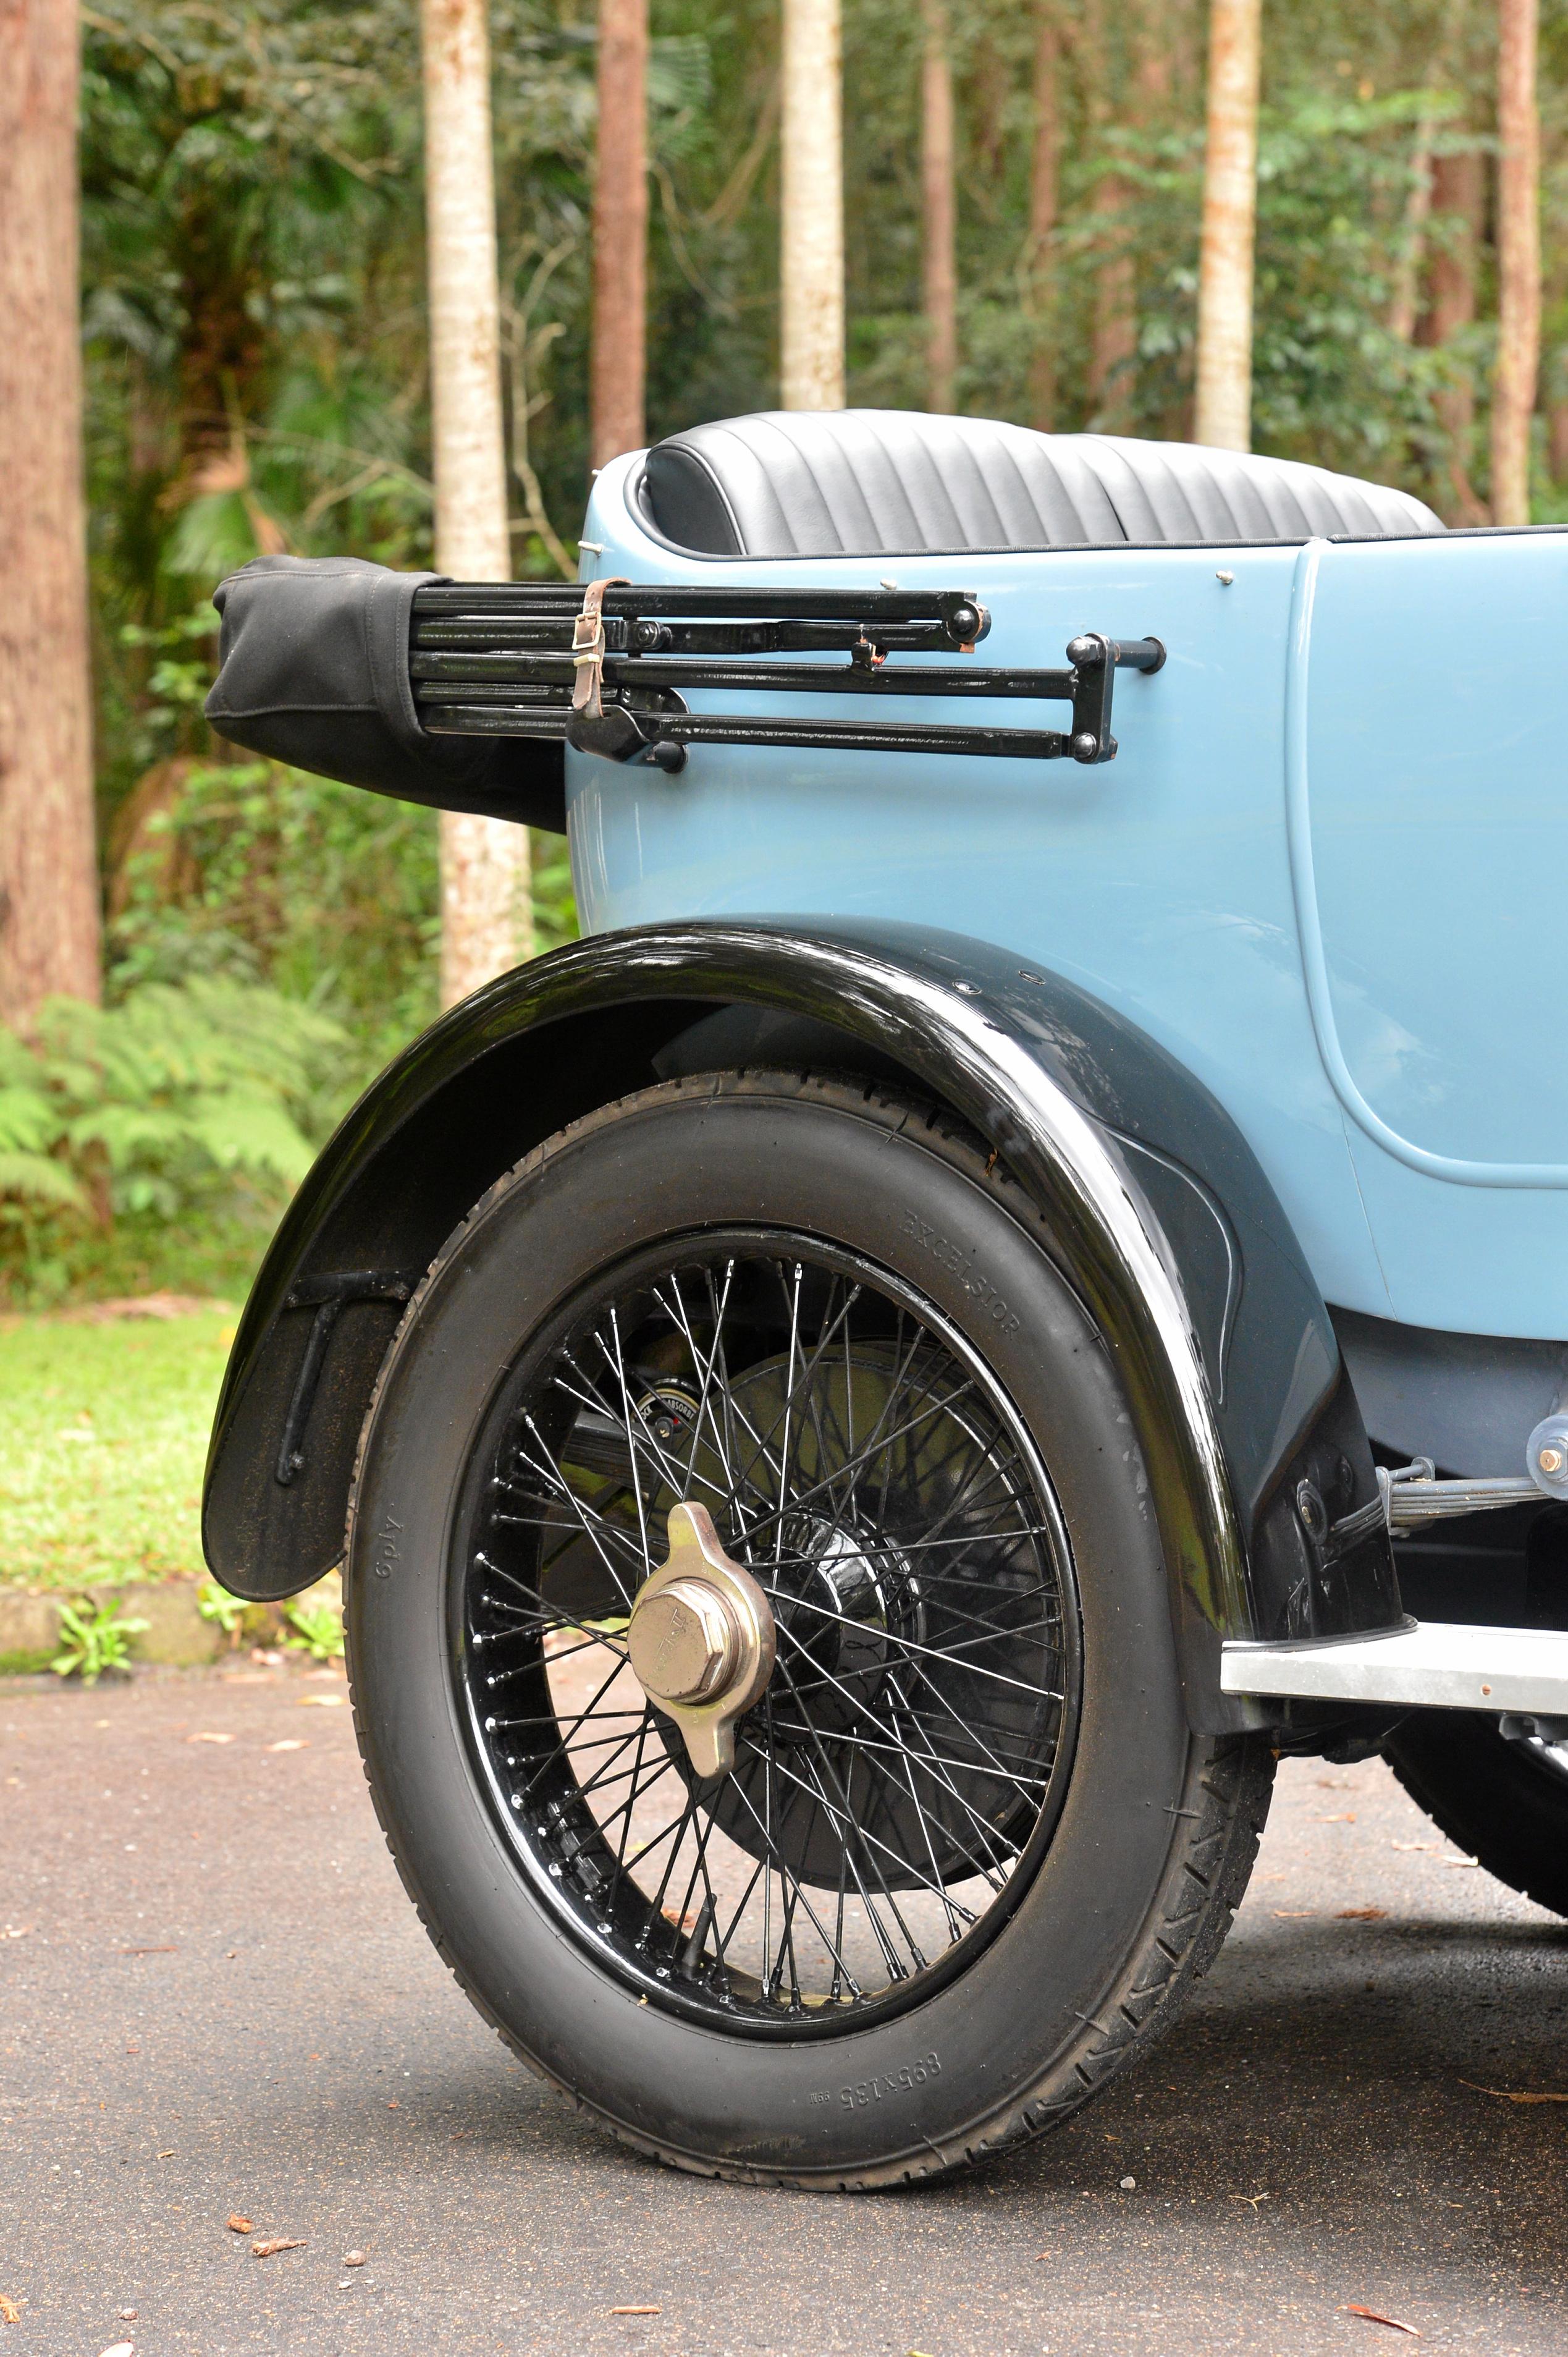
[[1147, 1197]]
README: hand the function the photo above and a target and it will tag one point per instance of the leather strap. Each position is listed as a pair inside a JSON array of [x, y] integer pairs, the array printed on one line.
[[588, 648]]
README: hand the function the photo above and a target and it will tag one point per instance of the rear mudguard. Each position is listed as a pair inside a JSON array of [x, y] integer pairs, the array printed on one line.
[[1146, 1196]]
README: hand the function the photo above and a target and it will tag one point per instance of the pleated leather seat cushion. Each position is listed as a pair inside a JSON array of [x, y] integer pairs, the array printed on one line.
[[887, 482]]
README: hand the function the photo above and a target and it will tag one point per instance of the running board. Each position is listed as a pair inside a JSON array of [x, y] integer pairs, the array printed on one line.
[[1429, 1665]]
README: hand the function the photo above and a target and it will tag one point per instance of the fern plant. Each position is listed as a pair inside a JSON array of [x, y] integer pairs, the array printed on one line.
[[170, 1105]]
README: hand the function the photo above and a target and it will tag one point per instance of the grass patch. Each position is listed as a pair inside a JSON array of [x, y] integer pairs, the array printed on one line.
[[102, 1439]]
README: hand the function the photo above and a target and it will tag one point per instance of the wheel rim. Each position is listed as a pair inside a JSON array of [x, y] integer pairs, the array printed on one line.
[[895, 1786]]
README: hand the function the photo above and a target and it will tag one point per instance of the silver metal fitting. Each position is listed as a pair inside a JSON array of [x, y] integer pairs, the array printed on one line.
[[1546, 1455]]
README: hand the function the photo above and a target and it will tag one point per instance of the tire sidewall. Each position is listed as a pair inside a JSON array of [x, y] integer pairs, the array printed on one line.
[[678, 1159]]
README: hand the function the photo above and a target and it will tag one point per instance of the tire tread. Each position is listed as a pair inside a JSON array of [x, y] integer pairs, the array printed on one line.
[[1216, 1820]]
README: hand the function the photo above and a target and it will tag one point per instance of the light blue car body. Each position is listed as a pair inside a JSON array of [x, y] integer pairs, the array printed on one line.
[[1326, 870]]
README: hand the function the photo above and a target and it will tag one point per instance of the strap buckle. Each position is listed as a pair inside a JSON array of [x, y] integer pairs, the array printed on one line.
[[588, 648]]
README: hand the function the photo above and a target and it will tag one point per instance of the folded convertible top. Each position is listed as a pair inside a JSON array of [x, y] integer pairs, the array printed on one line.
[[313, 670]]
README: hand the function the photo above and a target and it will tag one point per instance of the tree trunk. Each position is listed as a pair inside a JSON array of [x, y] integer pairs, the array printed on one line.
[[1223, 414], [1458, 196], [1557, 441], [1045, 202], [486, 912], [1405, 305], [1518, 260], [1114, 343], [939, 194], [812, 208], [1113, 349], [49, 879], [617, 368], [1112, 324], [1402, 306]]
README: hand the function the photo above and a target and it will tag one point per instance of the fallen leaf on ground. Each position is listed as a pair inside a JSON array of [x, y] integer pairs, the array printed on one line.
[[291, 1743], [164, 2155], [1370, 2315], [353, 2258], [9, 2311], [1361, 1915], [322, 1702], [278, 2242], [1508, 2095], [238, 2225], [121, 2348], [207, 1738], [642, 2311], [1345, 1817], [1295, 1914]]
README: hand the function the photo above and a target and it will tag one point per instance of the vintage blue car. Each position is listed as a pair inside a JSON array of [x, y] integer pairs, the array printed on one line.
[[1017, 1273]]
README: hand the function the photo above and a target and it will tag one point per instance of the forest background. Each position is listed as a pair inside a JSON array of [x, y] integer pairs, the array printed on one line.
[[256, 346]]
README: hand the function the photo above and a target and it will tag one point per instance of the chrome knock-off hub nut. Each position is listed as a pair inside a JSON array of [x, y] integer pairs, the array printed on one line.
[[700, 1640]]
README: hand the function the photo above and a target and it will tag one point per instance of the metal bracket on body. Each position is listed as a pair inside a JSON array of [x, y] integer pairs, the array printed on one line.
[[328, 1295], [610, 675]]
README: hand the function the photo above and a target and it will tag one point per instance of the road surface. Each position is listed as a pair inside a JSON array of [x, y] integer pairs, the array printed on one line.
[[215, 1999]]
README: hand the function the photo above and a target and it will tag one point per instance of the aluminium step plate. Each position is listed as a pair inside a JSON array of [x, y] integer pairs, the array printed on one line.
[[1431, 1665]]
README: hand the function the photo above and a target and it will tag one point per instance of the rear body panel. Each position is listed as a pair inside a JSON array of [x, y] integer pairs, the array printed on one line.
[[1323, 871]]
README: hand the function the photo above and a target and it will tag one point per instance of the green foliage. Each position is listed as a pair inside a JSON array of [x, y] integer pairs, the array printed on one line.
[[226, 1613], [96, 1638], [317, 1630], [255, 342], [184, 1099], [255, 347], [250, 870]]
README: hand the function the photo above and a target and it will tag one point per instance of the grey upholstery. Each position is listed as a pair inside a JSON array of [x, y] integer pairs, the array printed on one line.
[[892, 482]]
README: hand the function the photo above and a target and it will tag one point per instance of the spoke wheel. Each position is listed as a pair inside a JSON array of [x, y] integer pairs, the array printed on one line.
[[761, 1645], [897, 1783]]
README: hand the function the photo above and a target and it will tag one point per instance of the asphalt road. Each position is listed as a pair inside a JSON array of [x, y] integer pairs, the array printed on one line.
[[214, 1998]]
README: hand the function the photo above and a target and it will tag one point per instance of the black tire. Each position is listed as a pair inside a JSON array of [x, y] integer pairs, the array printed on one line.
[[1112, 1882], [1504, 1802]]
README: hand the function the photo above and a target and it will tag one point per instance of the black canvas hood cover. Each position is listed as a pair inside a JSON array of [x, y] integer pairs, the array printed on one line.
[[313, 671]]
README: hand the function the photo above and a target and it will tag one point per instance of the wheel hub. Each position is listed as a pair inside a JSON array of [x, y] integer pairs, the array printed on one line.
[[700, 1640]]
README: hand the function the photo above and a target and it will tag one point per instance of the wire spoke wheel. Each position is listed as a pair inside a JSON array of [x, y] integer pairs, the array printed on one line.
[[897, 1782], [765, 1763]]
